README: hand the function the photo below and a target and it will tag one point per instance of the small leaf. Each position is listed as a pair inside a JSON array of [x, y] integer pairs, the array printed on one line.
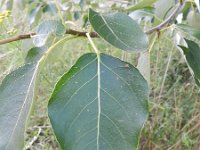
[[33, 14], [16, 95], [45, 28], [101, 103], [163, 9], [144, 65], [146, 12], [186, 10], [142, 4], [119, 30], [192, 54], [50, 8], [34, 54], [193, 19], [186, 29]]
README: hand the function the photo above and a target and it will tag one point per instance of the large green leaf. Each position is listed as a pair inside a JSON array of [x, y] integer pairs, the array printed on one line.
[[16, 95], [100, 104], [119, 30], [141, 4], [192, 54], [188, 30]]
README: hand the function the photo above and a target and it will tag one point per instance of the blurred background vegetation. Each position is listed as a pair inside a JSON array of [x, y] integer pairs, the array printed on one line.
[[174, 105]]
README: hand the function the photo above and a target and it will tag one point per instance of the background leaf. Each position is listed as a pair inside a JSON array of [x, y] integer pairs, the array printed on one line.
[[119, 30], [192, 54], [189, 30], [34, 54], [163, 9], [45, 28], [193, 19], [50, 8], [87, 115], [144, 65], [141, 4], [16, 95], [33, 14], [146, 12]]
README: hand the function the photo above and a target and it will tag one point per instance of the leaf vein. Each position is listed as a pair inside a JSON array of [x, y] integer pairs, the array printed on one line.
[[107, 142], [117, 101], [114, 33], [121, 134], [66, 104], [81, 112]]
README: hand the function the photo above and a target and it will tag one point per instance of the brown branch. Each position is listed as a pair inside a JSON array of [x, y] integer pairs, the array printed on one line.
[[168, 20], [28, 36], [16, 38], [94, 34], [80, 33]]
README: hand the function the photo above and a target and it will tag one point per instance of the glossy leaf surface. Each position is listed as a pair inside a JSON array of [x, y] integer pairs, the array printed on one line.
[[119, 30], [100, 104]]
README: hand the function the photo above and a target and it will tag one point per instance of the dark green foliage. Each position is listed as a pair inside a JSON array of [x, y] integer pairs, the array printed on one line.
[[192, 54], [119, 30], [101, 103]]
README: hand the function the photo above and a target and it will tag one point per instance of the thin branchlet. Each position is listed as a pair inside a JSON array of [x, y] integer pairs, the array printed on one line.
[[95, 34]]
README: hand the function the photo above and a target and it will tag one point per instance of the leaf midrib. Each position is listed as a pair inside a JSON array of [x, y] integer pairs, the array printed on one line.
[[104, 20], [99, 88], [98, 97], [19, 116]]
